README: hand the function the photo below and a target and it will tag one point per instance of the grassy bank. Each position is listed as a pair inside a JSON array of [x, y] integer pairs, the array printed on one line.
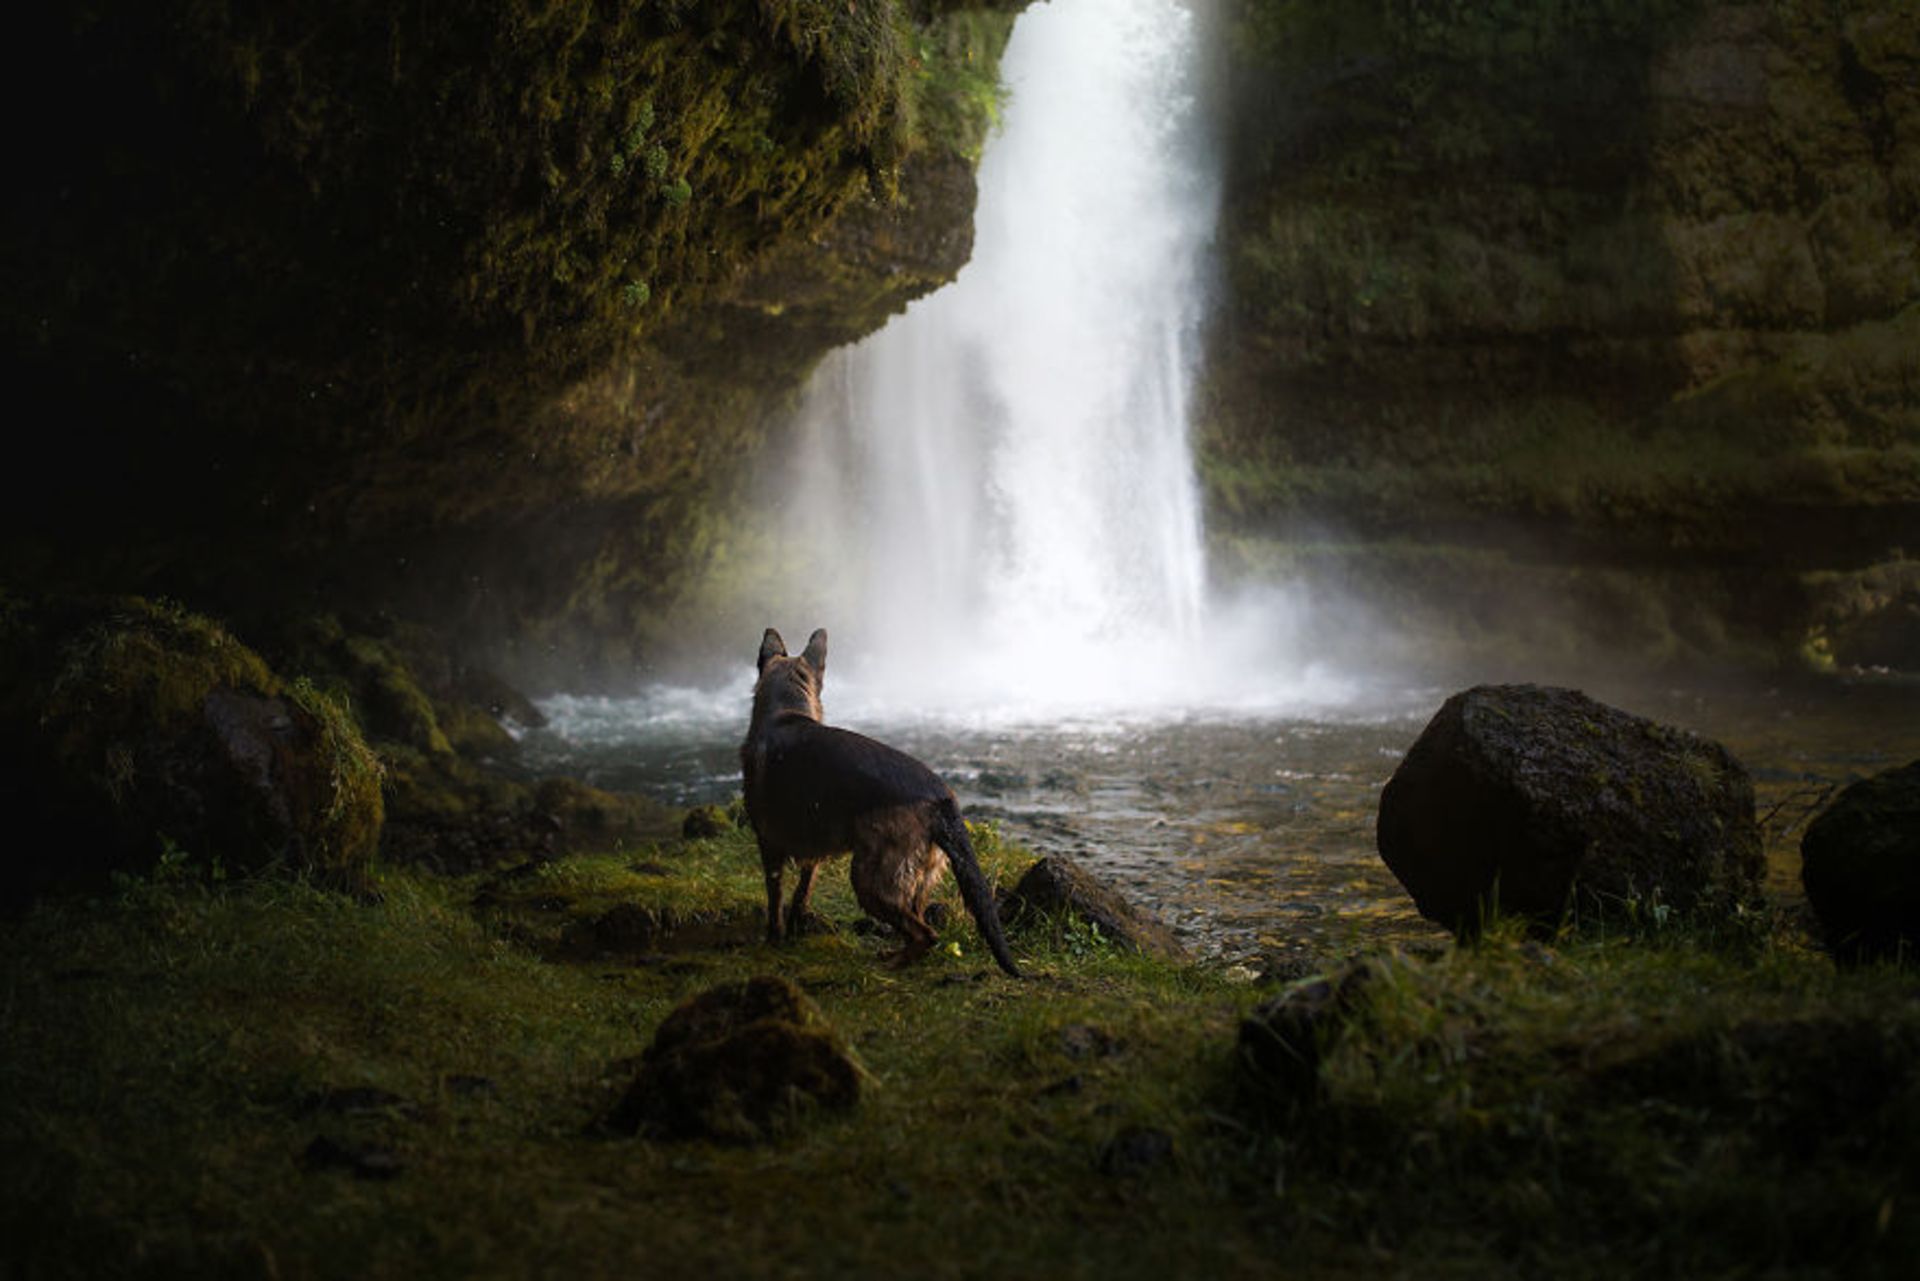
[[176, 1050]]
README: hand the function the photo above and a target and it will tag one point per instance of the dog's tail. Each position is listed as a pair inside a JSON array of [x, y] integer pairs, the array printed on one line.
[[950, 834]]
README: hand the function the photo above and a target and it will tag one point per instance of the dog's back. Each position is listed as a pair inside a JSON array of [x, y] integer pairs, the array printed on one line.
[[814, 791], [807, 782]]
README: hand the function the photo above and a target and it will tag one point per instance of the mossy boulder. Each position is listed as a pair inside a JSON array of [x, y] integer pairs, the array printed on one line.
[[1533, 801], [739, 1062], [1860, 863], [136, 729], [1058, 891]]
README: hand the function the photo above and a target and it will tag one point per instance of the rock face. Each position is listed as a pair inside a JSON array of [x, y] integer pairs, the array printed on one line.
[[738, 1062], [1541, 800], [516, 289], [135, 725], [1861, 868], [1056, 887], [1630, 287]]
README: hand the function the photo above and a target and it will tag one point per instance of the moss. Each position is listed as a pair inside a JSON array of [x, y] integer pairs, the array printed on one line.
[[531, 192], [352, 812], [148, 732], [1668, 1105]]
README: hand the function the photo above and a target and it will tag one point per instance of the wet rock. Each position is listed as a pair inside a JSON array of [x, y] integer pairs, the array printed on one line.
[[1860, 864], [739, 1062], [1533, 801], [1056, 887], [134, 730], [704, 822], [1283, 1039]]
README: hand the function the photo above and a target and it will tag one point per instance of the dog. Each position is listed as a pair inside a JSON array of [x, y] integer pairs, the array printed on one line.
[[815, 792]]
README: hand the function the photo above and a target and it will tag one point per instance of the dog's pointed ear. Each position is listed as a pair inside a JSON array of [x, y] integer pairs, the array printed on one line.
[[817, 651], [771, 646]]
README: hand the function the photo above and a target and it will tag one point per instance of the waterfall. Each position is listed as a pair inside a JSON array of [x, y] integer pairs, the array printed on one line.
[[998, 494]]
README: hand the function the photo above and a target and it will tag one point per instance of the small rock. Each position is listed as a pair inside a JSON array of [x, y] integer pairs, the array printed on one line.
[[470, 1086], [362, 1100], [363, 1161], [1860, 864], [1135, 1150], [1083, 1040], [1057, 886], [738, 1062], [705, 821], [1282, 1041]]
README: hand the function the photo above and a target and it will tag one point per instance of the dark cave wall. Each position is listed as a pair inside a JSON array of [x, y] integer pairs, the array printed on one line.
[[460, 314]]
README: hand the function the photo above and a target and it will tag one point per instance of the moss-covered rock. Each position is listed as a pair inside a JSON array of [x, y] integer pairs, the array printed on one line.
[[1056, 892], [739, 1062], [1536, 802], [136, 730], [1629, 286]]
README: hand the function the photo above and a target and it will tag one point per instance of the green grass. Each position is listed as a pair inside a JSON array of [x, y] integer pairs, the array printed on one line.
[[1489, 1112]]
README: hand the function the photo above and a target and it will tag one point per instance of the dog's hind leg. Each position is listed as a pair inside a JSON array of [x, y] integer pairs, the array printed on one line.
[[890, 851]]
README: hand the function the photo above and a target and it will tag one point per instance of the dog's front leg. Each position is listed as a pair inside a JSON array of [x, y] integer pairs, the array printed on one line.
[[772, 868]]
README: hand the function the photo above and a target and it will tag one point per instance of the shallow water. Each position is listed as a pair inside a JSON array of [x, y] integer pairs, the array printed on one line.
[[1251, 834]]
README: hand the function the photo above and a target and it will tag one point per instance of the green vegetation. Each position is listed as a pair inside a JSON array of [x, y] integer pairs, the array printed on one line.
[[957, 93], [1664, 1104], [132, 730]]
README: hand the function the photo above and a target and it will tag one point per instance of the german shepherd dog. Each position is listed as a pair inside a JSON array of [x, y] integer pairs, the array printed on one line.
[[815, 792]]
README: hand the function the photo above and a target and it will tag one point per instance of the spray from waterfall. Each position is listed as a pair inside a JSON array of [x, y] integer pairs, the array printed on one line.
[[998, 494]]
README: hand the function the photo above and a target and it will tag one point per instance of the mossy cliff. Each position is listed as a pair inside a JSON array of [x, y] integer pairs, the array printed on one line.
[[1605, 312], [455, 313]]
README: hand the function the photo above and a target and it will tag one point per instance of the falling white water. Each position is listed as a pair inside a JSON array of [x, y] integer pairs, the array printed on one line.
[[998, 501]]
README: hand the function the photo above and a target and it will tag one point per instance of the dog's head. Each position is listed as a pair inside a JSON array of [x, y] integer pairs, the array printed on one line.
[[789, 684]]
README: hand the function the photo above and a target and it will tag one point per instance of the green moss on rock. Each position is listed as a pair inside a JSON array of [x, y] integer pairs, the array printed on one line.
[[140, 728]]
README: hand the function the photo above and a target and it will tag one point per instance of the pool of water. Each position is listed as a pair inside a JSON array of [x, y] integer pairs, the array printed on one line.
[[1250, 833]]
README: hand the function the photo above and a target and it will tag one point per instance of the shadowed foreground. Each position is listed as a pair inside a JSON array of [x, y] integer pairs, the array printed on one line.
[[261, 1079]]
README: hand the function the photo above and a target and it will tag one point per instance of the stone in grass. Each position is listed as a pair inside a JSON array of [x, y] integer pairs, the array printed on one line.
[[1860, 864], [704, 822], [1283, 1039], [1531, 801], [1135, 1151], [1056, 887], [739, 1062], [361, 1160]]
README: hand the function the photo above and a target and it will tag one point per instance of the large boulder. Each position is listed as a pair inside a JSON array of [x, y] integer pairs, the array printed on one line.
[[1860, 863], [738, 1062], [1538, 801], [133, 729], [1056, 888]]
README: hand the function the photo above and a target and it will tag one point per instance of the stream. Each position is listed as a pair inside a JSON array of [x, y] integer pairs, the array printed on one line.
[[1251, 834]]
